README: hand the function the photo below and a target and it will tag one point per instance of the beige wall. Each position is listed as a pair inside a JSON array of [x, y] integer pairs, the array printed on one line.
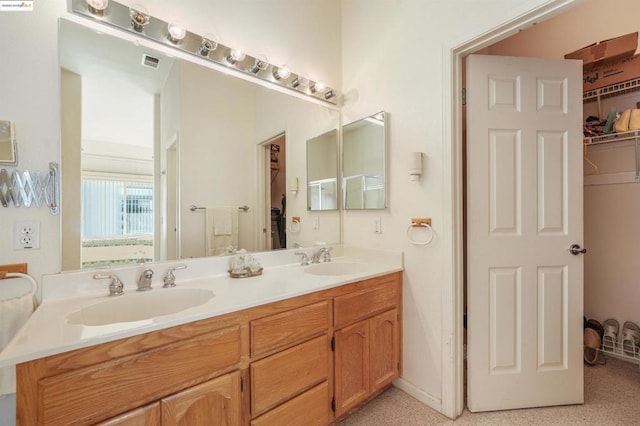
[[611, 212]]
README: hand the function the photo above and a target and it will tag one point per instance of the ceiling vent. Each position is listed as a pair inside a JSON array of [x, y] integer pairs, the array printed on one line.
[[150, 61]]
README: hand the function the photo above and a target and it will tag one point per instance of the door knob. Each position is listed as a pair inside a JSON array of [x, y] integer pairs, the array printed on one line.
[[575, 249]]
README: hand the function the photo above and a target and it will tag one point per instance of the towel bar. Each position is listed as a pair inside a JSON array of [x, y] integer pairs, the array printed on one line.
[[194, 208]]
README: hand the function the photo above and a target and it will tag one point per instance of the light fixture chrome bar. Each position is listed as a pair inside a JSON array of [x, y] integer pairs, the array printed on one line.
[[117, 15]]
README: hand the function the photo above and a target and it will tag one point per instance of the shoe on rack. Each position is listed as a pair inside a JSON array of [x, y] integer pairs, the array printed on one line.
[[610, 337], [595, 324], [630, 338], [591, 346]]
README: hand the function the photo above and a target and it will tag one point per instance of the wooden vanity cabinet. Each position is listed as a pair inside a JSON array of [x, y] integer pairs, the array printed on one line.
[[305, 361], [367, 343]]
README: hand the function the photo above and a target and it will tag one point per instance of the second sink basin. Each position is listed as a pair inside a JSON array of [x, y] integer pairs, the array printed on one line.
[[336, 268], [140, 306]]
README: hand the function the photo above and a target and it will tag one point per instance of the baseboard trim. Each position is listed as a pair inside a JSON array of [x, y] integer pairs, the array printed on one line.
[[422, 396]]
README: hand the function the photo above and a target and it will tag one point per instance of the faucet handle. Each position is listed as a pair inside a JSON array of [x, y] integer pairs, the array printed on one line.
[[144, 280], [116, 288], [304, 261], [170, 279]]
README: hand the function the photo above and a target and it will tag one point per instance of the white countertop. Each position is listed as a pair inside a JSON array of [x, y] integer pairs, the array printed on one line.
[[47, 331]]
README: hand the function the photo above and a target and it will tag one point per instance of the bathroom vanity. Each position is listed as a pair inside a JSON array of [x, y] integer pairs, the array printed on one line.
[[306, 359]]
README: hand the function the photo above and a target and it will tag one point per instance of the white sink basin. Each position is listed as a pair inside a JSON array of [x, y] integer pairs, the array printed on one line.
[[140, 306], [336, 268]]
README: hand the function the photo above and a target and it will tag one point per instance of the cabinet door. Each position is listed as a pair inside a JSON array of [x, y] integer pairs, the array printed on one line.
[[385, 349], [351, 366], [144, 416], [216, 402]]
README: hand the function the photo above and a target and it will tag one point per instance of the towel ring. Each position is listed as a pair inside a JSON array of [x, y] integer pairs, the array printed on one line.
[[420, 225], [294, 226]]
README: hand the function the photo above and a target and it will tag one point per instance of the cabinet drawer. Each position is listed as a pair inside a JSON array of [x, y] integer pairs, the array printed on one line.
[[309, 409], [288, 373], [143, 416], [288, 328], [94, 393], [363, 303]]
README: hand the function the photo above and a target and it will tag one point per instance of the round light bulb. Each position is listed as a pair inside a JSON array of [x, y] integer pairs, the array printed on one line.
[[176, 31], [209, 43], [260, 64], [236, 55], [97, 7], [300, 81], [139, 17], [282, 72], [319, 86]]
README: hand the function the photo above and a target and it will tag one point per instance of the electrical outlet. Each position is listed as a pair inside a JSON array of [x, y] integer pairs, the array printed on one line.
[[316, 222], [26, 235]]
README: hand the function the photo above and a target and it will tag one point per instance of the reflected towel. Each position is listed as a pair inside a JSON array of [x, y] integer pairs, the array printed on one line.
[[222, 221], [216, 243], [14, 312]]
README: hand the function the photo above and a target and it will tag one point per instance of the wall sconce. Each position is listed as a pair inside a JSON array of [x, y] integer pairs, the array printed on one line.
[[97, 7], [235, 56], [415, 165], [294, 185], [260, 64], [209, 43], [139, 17], [176, 32], [281, 72]]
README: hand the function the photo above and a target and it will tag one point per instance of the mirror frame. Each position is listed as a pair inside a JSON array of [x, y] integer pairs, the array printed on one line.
[[381, 115]]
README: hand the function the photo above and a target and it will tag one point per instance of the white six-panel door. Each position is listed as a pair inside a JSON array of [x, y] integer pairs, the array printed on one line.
[[524, 210]]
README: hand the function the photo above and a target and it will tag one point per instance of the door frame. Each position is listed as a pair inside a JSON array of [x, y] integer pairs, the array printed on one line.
[[264, 190], [453, 353]]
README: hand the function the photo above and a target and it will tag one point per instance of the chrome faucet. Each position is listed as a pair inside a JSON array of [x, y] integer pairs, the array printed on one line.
[[304, 260], [169, 279], [116, 288], [324, 253], [144, 280]]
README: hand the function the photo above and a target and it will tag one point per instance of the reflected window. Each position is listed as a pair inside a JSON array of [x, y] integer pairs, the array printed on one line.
[[117, 221]]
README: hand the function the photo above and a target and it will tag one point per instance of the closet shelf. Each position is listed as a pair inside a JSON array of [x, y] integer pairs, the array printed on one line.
[[632, 135], [612, 90], [613, 137]]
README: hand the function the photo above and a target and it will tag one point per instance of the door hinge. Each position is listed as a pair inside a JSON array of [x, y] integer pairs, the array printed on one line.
[[333, 344], [333, 404], [464, 96], [464, 321], [241, 384]]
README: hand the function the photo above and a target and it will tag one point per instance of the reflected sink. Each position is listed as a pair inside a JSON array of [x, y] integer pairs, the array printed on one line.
[[140, 306], [336, 268]]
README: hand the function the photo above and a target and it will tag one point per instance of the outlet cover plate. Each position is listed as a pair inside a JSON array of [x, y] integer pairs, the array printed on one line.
[[26, 235]]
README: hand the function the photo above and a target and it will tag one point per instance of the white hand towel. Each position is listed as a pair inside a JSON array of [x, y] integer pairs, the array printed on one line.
[[222, 224]]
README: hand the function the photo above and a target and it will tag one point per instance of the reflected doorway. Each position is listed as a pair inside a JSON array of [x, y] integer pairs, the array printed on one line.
[[274, 160]]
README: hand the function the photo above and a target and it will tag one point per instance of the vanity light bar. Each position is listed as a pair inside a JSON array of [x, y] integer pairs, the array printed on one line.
[[118, 15]]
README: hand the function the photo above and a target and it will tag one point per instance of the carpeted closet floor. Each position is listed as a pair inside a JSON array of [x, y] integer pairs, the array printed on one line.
[[611, 393]]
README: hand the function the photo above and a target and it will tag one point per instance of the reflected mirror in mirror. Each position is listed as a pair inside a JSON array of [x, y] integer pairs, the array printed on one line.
[[145, 136], [364, 163], [8, 146], [322, 172]]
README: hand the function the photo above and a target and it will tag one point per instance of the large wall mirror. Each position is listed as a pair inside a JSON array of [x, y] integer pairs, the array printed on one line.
[[155, 146], [322, 172], [364, 163]]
